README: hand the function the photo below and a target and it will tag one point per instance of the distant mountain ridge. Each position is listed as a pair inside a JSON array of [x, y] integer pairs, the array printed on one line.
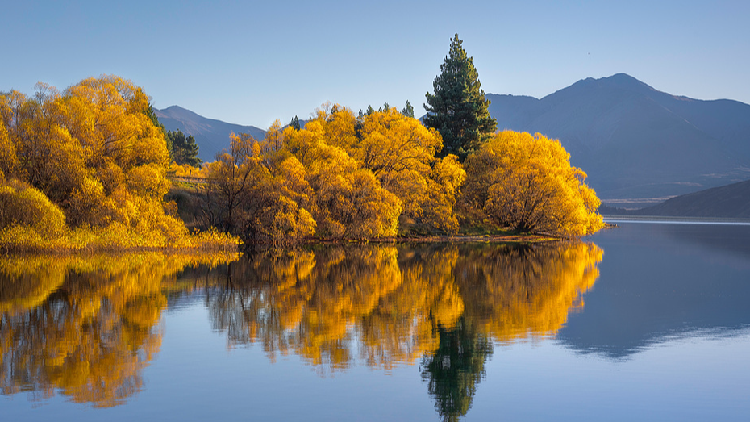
[[211, 135], [730, 201], [634, 141]]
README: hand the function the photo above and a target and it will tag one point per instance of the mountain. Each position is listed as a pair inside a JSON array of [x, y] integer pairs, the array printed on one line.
[[731, 201], [211, 135], [634, 141]]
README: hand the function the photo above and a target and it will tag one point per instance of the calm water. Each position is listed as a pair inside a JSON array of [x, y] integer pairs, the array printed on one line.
[[643, 322]]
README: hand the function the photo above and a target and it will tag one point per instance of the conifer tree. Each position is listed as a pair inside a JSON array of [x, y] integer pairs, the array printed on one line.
[[458, 108], [184, 148], [408, 110], [294, 124]]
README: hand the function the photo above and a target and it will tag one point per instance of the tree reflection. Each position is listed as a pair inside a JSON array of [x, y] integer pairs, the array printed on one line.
[[82, 326], [86, 328], [442, 303], [456, 367], [304, 302]]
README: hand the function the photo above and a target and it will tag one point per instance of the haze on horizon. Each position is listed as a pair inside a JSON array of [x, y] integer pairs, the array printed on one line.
[[253, 63]]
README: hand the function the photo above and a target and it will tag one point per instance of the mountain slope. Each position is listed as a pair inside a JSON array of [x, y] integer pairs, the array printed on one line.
[[634, 141], [211, 135], [731, 201]]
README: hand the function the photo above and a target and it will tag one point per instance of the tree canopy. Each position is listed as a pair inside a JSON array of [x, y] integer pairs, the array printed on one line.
[[183, 148], [458, 108], [342, 176], [526, 182], [95, 152]]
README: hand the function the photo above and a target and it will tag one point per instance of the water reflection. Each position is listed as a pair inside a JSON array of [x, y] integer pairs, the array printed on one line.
[[456, 367], [661, 282], [82, 327], [444, 304], [86, 328]]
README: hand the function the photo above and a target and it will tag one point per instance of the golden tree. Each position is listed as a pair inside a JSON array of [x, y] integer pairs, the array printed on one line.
[[260, 194], [95, 153], [401, 153], [349, 200], [526, 183]]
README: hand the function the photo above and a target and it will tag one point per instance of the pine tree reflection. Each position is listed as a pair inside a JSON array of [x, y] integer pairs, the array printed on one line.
[[445, 304], [453, 370], [509, 292]]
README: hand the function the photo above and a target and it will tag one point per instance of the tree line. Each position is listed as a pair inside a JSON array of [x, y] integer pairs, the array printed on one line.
[[384, 173], [87, 167]]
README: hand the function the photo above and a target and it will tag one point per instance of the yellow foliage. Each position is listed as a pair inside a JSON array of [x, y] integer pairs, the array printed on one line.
[[148, 181], [27, 208], [398, 150], [397, 299], [527, 183], [94, 152], [92, 343], [8, 158]]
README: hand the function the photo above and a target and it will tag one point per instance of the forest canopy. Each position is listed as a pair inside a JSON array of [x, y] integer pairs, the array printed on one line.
[[527, 183], [92, 152], [89, 167], [342, 176]]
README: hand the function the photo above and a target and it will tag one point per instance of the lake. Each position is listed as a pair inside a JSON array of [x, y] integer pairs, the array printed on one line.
[[641, 322]]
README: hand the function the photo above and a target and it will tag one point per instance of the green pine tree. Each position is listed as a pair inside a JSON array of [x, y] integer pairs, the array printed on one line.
[[408, 110], [458, 109], [295, 123], [184, 148]]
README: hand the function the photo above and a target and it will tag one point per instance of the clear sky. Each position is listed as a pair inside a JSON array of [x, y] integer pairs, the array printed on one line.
[[252, 62]]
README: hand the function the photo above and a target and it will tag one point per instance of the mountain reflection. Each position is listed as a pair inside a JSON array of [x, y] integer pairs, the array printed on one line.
[[82, 327]]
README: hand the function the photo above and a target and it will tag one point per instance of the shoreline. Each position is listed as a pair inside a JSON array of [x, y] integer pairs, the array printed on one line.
[[238, 248]]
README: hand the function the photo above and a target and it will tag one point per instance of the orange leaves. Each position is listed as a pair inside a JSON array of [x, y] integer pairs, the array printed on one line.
[[23, 206], [93, 151], [526, 182]]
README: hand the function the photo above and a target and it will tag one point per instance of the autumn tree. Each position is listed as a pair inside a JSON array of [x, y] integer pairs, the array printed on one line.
[[526, 183], [258, 194], [458, 108], [400, 151], [95, 152], [348, 201]]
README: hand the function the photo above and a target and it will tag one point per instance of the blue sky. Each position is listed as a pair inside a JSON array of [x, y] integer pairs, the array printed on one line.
[[253, 62]]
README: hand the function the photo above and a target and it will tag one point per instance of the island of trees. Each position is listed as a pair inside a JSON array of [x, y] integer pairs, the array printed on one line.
[[90, 167]]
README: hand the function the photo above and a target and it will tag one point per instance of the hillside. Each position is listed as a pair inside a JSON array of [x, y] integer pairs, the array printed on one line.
[[731, 201], [211, 135], [634, 141]]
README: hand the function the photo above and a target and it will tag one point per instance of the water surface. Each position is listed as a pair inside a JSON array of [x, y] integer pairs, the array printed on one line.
[[647, 321]]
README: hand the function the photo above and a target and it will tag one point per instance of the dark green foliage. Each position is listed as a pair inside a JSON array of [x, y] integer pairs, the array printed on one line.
[[408, 110], [458, 109], [183, 150], [456, 368], [294, 124], [370, 110]]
